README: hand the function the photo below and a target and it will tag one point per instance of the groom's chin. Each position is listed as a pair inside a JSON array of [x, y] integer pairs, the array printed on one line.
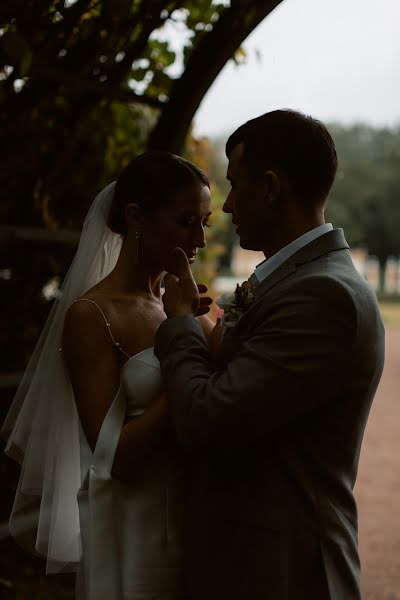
[[246, 244]]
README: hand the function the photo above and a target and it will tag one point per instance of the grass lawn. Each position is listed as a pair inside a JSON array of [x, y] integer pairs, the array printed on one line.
[[390, 313]]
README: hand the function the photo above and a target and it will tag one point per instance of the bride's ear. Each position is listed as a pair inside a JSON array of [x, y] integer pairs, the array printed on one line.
[[133, 215]]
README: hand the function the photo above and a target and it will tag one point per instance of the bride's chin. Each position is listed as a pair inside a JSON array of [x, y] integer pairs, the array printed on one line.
[[167, 267]]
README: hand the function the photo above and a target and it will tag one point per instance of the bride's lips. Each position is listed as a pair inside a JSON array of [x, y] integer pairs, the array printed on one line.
[[191, 257]]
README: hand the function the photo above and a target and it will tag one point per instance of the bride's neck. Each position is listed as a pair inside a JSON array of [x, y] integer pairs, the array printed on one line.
[[128, 277]]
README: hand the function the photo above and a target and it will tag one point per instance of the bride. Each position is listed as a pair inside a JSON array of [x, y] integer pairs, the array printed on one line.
[[100, 490]]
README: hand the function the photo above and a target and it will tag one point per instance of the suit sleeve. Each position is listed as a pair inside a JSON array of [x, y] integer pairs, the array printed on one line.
[[294, 362]]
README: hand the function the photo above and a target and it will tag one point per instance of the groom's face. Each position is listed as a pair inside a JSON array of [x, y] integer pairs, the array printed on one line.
[[248, 202]]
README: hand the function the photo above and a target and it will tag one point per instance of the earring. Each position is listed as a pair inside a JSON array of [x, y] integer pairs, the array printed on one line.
[[138, 240]]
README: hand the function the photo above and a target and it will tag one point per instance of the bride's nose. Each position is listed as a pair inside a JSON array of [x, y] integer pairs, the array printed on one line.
[[200, 239]]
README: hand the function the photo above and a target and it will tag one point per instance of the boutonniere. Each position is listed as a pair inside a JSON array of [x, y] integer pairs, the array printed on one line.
[[235, 305]]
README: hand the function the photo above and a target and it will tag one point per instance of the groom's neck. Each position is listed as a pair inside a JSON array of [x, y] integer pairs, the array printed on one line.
[[293, 227]]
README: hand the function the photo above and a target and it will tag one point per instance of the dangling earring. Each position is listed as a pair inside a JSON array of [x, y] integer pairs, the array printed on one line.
[[138, 240]]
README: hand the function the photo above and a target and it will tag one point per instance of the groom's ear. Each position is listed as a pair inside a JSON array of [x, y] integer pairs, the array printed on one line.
[[272, 185]]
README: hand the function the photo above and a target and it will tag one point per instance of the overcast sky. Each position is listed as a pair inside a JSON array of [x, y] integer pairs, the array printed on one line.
[[338, 60]]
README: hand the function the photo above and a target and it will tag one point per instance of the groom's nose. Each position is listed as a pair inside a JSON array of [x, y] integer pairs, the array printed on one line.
[[227, 207]]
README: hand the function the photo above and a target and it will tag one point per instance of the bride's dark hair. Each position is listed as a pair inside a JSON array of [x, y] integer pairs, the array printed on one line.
[[150, 180]]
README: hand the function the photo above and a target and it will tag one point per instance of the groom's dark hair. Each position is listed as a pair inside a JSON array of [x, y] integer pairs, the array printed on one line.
[[295, 144]]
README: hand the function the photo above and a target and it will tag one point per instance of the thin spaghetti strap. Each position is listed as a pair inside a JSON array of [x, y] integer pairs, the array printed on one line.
[[93, 302], [108, 324]]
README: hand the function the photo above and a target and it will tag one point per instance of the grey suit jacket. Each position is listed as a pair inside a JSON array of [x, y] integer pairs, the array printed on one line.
[[272, 432]]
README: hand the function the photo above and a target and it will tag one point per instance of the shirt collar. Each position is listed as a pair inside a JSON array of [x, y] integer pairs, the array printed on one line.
[[269, 265]]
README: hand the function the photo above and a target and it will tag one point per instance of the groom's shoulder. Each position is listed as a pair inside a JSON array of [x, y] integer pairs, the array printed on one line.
[[313, 287], [329, 285], [318, 288], [335, 274]]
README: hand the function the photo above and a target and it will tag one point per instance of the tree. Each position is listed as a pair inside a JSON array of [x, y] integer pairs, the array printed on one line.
[[365, 197], [65, 64], [84, 86]]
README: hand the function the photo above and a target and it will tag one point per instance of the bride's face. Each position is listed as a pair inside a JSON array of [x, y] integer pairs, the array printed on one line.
[[180, 223]]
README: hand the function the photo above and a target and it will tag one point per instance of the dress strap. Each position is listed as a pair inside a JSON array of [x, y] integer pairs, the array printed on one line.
[[108, 324]]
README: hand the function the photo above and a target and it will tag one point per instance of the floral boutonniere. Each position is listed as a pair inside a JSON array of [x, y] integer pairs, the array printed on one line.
[[235, 305]]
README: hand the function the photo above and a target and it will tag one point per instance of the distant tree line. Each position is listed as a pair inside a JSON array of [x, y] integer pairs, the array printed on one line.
[[365, 198]]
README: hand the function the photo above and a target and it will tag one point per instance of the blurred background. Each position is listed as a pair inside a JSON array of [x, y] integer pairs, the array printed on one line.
[[85, 85]]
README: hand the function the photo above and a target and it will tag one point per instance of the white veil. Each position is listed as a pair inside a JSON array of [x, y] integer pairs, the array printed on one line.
[[42, 424]]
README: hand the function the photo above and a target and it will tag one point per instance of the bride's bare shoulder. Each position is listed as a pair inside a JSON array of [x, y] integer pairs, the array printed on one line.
[[86, 314]]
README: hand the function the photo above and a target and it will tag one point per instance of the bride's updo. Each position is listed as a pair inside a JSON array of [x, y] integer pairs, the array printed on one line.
[[151, 180]]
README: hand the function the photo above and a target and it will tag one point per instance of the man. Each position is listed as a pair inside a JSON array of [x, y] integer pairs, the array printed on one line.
[[272, 429]]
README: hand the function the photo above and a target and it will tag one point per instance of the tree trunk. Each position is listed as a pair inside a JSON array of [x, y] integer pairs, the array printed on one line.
[[205, 63]]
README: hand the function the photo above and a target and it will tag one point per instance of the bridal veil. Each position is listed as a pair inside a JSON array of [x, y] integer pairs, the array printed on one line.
[[42, 425]]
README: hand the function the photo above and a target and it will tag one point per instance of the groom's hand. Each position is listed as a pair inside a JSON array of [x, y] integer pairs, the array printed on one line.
[[182, 294]]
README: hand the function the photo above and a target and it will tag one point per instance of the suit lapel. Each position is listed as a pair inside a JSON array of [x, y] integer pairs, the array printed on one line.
[[329, 242]]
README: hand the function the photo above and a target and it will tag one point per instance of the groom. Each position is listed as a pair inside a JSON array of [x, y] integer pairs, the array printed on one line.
[[272, 427]]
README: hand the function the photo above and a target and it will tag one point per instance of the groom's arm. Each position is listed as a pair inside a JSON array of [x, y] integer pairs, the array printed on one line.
[[298, 359]]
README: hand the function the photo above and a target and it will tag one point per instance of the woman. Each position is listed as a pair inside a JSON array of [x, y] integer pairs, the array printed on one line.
[[90, 415]]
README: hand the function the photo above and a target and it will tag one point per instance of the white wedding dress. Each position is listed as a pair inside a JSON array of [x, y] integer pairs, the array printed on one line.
[[131, 532]]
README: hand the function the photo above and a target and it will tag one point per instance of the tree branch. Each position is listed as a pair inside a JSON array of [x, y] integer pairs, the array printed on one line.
[[38, 234], [72, 81], [205, 63], [136, 48]]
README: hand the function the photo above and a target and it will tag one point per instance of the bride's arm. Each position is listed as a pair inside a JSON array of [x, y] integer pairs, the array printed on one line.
[[94, 370], [140, 436]]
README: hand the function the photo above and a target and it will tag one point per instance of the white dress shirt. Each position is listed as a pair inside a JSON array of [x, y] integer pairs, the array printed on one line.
[[269, 265]]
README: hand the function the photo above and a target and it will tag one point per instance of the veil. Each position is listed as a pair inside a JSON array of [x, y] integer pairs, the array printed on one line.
[[42, 425]]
